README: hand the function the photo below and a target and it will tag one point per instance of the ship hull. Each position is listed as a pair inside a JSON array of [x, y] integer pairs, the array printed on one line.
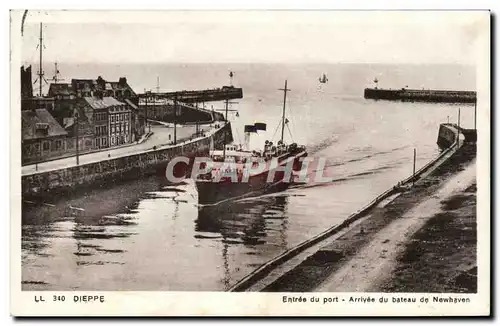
[[214, 193]]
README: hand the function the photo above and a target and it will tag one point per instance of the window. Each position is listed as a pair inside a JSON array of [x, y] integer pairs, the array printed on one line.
[[103, 141], [113, 140], [69, 144], [112, 129], [37, 147], [97, 131], [119, 128], [58, 145], [113, 118], [46, 146]]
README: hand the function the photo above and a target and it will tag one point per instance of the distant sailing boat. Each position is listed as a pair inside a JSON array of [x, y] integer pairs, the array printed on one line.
[[323, 79]]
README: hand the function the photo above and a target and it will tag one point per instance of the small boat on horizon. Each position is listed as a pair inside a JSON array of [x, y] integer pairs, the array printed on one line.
[[323, 79]]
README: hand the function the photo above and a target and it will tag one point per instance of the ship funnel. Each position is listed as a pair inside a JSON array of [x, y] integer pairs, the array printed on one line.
[[260, 126], [249, 129]]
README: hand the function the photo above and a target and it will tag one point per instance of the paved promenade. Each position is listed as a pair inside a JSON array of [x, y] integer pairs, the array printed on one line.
[[159, 138]]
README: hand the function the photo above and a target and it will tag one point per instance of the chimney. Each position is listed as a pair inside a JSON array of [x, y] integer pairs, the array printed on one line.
[[42, 127], [101, 82], [122, 81]]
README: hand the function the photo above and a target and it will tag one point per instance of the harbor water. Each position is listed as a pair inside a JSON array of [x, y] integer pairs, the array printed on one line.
[[147, 235]]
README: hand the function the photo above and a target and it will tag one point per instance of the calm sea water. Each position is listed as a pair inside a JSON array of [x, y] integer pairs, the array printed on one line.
[[144, 235]]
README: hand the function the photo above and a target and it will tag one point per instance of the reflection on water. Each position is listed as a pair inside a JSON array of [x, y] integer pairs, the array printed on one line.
[[250, 223], [85, 243], [241, 222]]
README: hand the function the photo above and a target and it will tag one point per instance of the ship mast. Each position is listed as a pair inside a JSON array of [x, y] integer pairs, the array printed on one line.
[[55, 78], [283, 116], [225, 123], [40, 70]]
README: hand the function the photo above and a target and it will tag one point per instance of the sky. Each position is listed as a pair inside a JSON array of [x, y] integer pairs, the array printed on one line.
[[251, 36]]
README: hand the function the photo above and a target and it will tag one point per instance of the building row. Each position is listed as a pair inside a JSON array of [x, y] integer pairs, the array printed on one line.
[[84, 115]]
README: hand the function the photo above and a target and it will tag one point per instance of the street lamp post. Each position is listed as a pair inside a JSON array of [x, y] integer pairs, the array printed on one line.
[[175, 120], [77, 138]]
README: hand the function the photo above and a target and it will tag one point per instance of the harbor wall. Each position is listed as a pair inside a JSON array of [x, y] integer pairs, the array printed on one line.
[[448, 132], [69, 180], [427, 95], [186, 114], [199, 96]]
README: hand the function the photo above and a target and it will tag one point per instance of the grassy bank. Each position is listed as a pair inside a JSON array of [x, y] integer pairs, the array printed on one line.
[[441, 256]]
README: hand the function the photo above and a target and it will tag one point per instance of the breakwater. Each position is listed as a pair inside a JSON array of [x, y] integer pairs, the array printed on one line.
[[424, 95], [199, 96], [69, 180], [186, 114], [448, 132]]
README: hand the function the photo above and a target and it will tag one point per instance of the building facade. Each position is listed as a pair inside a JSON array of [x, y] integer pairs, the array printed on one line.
[[120, 125], [111, 120], [78, 127], [97, 113], [43, 137], [138, 125]]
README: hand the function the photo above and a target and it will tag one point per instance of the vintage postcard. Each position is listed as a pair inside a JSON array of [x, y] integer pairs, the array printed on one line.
[[250, 163]]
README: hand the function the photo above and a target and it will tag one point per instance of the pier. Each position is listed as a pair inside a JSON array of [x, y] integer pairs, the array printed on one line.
[[423, 95], [198, 96]]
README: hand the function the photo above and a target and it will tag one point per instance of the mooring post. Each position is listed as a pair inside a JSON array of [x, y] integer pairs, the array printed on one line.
[[77, 127], [475, 113], [458, 136], [414, 163]]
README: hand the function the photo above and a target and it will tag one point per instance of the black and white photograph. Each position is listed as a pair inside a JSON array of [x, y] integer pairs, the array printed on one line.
[[334, 158]]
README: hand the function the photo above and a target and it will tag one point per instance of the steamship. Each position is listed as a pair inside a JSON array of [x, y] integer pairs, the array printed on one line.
[[229, 180]]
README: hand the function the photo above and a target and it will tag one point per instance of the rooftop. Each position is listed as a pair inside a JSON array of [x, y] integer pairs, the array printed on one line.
[[60, 89], [101, 103], [129, 102], [30, 119]]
